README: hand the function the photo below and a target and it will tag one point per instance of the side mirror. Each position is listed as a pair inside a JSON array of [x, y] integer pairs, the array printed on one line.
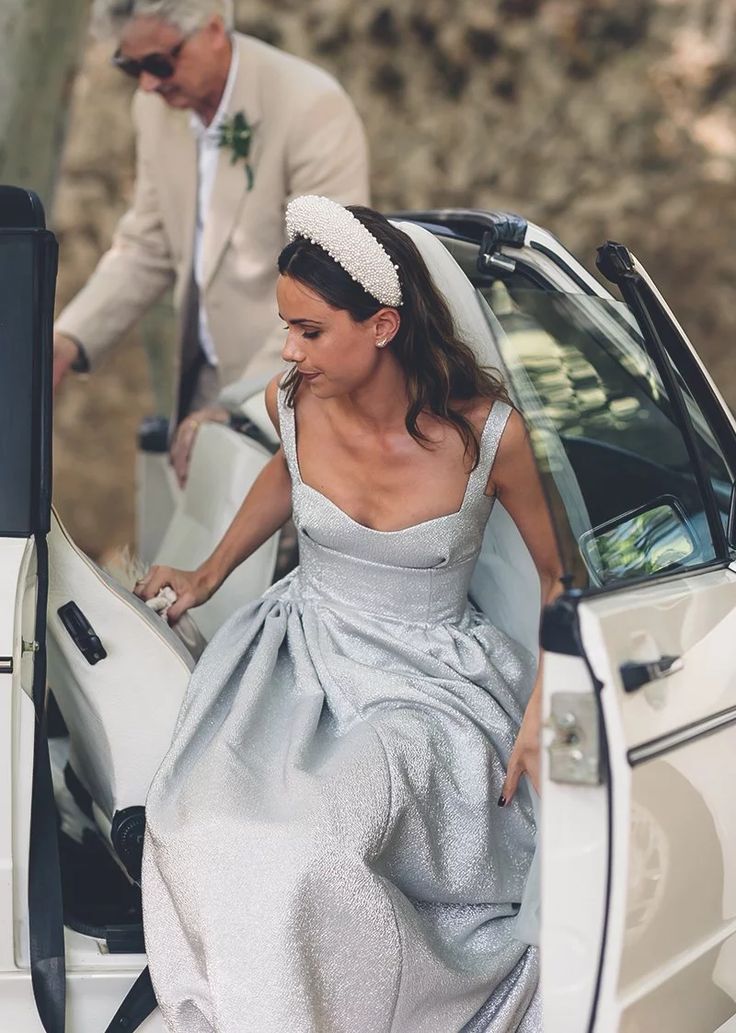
[[649, 540]]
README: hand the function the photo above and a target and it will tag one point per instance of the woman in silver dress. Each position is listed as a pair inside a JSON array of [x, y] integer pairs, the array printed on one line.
[[338, 839]]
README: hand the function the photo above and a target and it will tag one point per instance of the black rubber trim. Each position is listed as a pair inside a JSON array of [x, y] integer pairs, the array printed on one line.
[[471, 223], [560, 631], [605, 766], [153, 434], [664, 744], [45, 905], [566, 269], [638, 296], [704, 395], [139, 1003], [80, 794], [244, 425], [681, 355], [126, 835], [20, 209]]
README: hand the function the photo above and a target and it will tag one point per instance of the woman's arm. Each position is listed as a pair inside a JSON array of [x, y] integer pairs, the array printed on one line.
[[265, 509], [515, 481]]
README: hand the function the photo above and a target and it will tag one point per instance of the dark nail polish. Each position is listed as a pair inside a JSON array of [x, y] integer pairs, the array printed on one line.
[[502, 800]]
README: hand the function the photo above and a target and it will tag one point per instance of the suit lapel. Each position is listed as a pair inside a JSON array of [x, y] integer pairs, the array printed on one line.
[[230, 189]]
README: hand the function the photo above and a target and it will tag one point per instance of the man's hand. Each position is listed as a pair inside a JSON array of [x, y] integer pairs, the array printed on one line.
[[180, 453], [66, 351]]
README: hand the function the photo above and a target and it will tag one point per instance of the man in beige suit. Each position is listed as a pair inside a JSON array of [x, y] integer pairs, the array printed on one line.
[[208, 215]]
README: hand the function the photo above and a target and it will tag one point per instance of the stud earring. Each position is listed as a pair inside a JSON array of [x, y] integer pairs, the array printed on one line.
[[381, 344]]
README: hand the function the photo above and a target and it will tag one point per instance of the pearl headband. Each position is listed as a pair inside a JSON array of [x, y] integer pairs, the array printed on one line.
[[348, 242]]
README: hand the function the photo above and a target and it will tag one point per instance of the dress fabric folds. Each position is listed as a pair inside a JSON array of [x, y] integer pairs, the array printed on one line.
[[324, 850]]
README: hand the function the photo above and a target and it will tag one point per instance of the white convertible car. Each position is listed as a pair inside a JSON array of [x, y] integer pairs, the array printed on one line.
[[637, 452]]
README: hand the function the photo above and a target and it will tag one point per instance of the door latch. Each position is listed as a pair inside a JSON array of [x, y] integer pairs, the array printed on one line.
[[634, 675], [574, 752]]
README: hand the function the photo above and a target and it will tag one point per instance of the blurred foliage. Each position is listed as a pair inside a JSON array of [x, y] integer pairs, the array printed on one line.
[[40, 42], [596, 118]]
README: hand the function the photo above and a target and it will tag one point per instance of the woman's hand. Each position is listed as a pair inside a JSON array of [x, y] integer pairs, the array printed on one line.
[[192, 588], [180, 453], [525, 756]]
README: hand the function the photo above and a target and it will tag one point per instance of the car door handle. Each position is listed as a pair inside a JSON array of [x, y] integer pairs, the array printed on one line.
[[635, 674]]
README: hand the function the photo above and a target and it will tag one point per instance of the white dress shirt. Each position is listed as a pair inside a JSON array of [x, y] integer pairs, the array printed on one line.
[[208, 151]]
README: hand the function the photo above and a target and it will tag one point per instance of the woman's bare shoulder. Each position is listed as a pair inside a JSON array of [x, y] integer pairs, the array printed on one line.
[[272, 401], [514, 456], [477, 410]]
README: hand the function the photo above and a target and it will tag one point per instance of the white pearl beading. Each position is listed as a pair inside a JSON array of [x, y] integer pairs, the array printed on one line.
[[348, 242]]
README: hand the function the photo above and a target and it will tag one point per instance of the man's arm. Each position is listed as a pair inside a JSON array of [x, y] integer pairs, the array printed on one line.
[[128, 278]]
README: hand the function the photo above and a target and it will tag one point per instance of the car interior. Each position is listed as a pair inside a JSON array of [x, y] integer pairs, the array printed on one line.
[[607, 447], [118, 672]]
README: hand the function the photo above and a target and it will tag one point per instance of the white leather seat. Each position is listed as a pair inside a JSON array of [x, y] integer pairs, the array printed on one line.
[[120, 710], [224, 466]]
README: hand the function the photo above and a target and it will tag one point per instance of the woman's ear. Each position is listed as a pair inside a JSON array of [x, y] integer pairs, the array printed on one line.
[[386, 324]]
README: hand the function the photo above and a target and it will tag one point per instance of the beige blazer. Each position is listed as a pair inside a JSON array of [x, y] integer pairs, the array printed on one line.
[[307, 139]]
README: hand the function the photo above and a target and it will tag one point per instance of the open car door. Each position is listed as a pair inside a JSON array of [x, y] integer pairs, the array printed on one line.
[[31, 933], [638, 452]]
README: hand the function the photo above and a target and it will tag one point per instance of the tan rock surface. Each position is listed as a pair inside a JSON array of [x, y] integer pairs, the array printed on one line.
[[596, 118]]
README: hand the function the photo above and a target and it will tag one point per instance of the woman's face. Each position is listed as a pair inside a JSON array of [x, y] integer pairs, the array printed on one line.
[[334, 354]]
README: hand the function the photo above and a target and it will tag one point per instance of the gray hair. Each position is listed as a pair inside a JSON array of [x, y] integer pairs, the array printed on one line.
[[109, 17]]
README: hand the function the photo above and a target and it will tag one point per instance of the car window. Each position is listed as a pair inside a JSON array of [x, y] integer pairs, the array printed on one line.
[[714, 461], [622, 489]]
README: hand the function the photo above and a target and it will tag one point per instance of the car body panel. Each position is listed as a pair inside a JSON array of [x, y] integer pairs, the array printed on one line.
[[671, 899], [574, 836]]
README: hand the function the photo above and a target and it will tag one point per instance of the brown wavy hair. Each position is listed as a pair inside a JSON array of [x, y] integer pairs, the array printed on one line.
[[441, 370]]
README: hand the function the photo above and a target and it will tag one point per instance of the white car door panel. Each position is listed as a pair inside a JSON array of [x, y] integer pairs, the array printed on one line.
[[692, 619], [16, 555], [575, 846], [672, 757], [638, 825]]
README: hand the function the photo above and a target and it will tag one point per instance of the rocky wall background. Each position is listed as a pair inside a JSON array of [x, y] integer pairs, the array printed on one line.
[[597, 118]]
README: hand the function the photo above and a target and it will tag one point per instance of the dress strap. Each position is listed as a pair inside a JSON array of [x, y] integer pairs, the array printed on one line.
[[489, 442], [287, 428]]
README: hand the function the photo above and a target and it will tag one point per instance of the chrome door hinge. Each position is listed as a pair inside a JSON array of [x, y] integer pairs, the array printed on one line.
[[6, 665], [574, 752]]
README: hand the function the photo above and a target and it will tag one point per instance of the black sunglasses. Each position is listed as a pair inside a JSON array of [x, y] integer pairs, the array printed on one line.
[[162, 66]]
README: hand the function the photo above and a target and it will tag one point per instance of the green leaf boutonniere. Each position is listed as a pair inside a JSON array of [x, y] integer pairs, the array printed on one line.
[[236, 134]]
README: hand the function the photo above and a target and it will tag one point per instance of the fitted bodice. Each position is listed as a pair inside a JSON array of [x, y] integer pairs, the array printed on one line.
[[419, 573]]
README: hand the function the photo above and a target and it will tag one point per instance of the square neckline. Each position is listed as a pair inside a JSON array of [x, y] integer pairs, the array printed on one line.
[[410, 527]]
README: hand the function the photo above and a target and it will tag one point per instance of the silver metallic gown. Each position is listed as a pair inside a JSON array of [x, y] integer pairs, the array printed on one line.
[[324, 851]]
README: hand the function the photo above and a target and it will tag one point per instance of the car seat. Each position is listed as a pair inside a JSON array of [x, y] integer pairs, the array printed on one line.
[[224, 465], [118, 673], [117, 670]]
